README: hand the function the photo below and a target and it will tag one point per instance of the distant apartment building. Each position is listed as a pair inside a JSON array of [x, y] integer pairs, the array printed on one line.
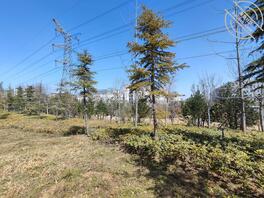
[[127, 95], [250, 92]]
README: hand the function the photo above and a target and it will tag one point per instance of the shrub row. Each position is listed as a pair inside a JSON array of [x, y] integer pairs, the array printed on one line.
[[234, 160]]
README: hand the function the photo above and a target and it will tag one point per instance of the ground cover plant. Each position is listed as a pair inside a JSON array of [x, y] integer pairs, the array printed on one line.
[[184, 161]]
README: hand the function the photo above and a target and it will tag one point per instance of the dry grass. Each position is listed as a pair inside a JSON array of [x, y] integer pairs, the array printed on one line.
[[48, 124], [43, 165]]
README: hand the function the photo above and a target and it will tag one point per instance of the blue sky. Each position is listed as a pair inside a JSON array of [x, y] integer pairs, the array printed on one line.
[[27, 25]]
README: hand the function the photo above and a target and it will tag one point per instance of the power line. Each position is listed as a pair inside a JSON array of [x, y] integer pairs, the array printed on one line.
[[201, 36], [184, 38], [40, 48], [113, 30], [50, 41], [132, 22], [38, 67], [178, 5], [101, 35], [209, 54], [43, 74], [100, 15], [29, 56], [117, 68], [190, 8]]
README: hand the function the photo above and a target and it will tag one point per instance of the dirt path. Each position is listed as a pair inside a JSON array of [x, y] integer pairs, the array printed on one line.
[[39, 165]]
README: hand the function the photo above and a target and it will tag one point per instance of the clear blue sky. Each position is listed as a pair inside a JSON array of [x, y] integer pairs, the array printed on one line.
[[26, 25]]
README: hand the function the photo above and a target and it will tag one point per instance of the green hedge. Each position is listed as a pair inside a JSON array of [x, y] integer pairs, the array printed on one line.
[[238, 159]]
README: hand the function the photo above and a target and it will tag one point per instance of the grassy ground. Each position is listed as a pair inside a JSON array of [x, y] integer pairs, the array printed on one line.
[[44, 157], [42, 165]]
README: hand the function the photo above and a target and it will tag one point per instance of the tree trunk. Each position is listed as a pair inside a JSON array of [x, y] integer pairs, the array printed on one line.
[[209, 116], [86, 123], [136, 109], [261, 115], [240, 78], [155, 123], [85, 114]]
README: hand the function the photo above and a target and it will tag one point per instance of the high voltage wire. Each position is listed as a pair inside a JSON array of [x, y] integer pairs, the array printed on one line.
[[123, 67], [76, 27], [127, 25], [201, 36], [178, 5], [187, 38], [113, 30], [43, 74], [29, 56], [125, 52], [37, 50], [39, 67], [198, 33], [190, 8], [100, 15], [33, 64], [83, 42]]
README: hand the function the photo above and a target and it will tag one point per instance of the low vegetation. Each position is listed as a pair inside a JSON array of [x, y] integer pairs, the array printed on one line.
[[184, 161], [44, 165], [197, 161]]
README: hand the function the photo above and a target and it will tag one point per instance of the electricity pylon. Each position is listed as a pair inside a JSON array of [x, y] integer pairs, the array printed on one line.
[[67, 51], [66, 61]]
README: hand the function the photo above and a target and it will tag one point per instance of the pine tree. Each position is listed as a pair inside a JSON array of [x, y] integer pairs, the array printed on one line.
[[155, 65], [254, 72], [226, 108], [19, 100], [196, 107], [31, 108], [143, 109], [10, 99], [84, 82], [2, 97], [101, 109]]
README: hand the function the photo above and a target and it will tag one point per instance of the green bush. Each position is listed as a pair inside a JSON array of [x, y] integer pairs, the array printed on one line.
[[238, 159]]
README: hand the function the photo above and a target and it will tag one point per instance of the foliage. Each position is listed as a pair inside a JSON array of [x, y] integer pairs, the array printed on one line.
[[226, 109], [84, 83], [19, 100], [84, 76], [195, 106], [254, 72], [101, 109], [30, 98], [198, 154], [143, 108], [10, 99], [236, 160], [155, 63]]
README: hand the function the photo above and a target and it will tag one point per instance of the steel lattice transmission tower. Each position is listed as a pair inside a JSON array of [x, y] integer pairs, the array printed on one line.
[[66, 63], [67, 52]]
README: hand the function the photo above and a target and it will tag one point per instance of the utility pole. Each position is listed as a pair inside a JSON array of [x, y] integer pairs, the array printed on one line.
[[240, 78]]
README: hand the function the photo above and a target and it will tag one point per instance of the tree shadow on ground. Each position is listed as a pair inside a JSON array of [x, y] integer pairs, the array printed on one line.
[[75, 130], [176, 183], [4, 116]]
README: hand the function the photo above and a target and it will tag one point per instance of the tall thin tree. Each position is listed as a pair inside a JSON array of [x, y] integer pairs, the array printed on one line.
[[84, 82], [155, 64]]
